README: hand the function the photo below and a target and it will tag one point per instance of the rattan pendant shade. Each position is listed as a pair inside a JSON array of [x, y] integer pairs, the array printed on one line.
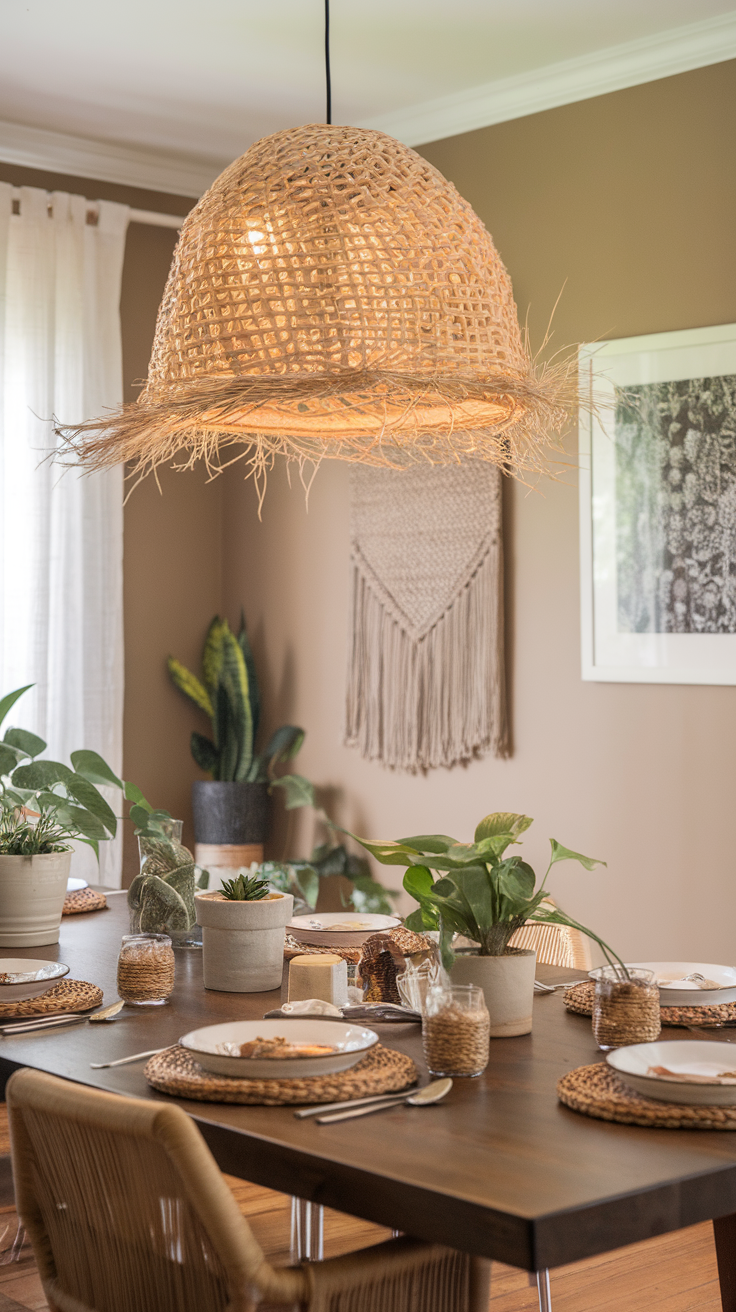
[[332, 295]]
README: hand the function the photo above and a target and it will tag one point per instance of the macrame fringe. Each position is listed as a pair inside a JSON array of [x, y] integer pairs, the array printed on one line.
[[417, 705]]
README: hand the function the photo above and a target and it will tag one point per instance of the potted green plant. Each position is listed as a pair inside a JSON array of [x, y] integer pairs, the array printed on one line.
[[44, 807], [243, 929], [474, 890], [230, 809]]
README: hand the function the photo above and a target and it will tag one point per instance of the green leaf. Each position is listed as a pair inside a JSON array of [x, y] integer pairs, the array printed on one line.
[[212, 654], [282, 746], [250, 665], [85, 823], [418, 882], [134, 794], [233, 714], [189, 684], [93, 801], [389, 854], [205, 753], [307, 881], [10, 699], [428, 843], [421, 919], [41, 774], [297, 790], [8, 759], [502, 822], [140, 816], [333, 861], [29, 743], [92, 767], [560, 853]]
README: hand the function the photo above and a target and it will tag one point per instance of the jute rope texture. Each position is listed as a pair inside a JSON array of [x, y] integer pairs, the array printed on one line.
[[333, 295]]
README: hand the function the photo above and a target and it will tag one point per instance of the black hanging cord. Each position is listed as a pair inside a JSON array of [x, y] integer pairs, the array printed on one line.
[[328, 78]]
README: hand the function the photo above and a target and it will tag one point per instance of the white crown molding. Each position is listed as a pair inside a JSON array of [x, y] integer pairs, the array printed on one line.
[[55, 152], [679, 50], [711, 41]]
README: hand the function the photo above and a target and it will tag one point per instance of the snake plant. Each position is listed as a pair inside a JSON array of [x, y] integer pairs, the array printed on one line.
[[228, 694]]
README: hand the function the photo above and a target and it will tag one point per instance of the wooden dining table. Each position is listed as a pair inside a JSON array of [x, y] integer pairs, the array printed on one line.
[[499, 1168]]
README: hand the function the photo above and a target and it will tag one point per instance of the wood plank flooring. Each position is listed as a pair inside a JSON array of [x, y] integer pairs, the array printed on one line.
[[675, 1273]]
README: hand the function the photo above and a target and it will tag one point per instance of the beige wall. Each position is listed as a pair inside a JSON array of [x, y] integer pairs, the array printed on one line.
[[631, 199]]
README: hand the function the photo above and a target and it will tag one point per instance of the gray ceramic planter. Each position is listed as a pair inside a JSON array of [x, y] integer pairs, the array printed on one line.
[[231, 813], [32, 892], [243, 942], [508, 987]]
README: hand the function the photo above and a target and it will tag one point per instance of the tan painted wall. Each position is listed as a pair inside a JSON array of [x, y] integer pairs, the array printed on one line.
[[631, 198]]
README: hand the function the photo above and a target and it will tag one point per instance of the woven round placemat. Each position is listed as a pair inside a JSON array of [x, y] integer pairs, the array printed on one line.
[[597, 1091], [381, 1071], [579, 998], [84, 899], [67, 995]]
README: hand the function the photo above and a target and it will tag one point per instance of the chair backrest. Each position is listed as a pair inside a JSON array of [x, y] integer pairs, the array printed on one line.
[[555, 945], [125, 1206]]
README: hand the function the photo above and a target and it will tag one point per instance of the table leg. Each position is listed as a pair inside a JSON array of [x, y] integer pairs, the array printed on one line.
[[307, 1231], [543, 1291], [724, 1232]]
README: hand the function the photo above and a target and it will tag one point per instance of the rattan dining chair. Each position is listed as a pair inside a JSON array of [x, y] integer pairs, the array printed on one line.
[[555, 945], [127, 1211]]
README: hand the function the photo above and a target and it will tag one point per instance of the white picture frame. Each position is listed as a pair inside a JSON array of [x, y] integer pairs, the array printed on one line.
[[658, 508]]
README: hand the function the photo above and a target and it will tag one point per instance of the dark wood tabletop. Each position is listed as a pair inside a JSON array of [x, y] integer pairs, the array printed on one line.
[[500, 1168]]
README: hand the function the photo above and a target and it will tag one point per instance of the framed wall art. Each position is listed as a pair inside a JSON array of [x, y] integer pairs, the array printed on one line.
[[658, 508]]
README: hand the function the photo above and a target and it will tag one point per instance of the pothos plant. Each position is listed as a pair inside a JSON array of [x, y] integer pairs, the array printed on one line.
[[46, 805], [475, 890]]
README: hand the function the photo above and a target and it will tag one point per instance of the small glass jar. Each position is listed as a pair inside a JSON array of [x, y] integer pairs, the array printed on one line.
[[625, 1007], [146, 970], [456, 1030]]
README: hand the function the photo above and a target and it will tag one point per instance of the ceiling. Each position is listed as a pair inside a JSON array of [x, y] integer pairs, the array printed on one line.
[[200, 82]]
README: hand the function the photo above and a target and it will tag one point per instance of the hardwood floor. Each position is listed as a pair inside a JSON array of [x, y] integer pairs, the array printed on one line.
[[675, 1273]]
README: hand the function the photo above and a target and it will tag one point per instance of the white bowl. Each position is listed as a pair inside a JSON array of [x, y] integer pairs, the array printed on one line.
[[326, 930], [74, 885], [22, 978], [687, 995], [687, 1056], [350, 1042]]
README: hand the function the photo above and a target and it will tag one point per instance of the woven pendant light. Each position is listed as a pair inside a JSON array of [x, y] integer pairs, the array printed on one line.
[[332, 295]]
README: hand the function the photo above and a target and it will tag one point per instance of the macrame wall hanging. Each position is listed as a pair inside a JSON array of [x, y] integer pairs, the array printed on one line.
[[426, 684]]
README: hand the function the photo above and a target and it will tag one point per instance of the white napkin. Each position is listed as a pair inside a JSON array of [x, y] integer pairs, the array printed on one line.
[[310, 1007]]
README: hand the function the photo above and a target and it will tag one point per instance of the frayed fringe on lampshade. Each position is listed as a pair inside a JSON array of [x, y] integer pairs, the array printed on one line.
[[332, 295]]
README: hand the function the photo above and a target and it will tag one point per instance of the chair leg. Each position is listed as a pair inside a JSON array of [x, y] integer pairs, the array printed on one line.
[[307, 1231], [545, 1298]]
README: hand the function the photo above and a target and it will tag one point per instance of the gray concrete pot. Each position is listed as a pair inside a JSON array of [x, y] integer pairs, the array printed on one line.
[[230, 813], [243, 942], [508, 987], [32, 892]]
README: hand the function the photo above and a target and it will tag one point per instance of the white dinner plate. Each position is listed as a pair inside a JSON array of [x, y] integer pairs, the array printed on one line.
[[682, 1056], [209, 1046], [22, 978], [688, 995], [349, 929]]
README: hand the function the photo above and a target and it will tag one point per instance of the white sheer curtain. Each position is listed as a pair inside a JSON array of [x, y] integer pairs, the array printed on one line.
[[61, 537]]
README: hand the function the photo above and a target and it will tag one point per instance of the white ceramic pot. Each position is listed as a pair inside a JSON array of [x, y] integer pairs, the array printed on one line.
[[243, 942], [32, 892], [508, 987]]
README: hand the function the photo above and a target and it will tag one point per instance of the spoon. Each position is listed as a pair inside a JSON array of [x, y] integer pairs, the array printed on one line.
[[422, 1098]]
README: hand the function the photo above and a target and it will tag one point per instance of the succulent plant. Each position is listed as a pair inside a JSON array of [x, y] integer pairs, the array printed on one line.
[[245, 888]]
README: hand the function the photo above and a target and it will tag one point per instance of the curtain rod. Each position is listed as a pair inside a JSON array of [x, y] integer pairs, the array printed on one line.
[[152, 217]]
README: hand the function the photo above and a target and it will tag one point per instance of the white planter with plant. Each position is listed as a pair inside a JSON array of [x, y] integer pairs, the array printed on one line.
[[44, 807], [243, 930], [485, 897]]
